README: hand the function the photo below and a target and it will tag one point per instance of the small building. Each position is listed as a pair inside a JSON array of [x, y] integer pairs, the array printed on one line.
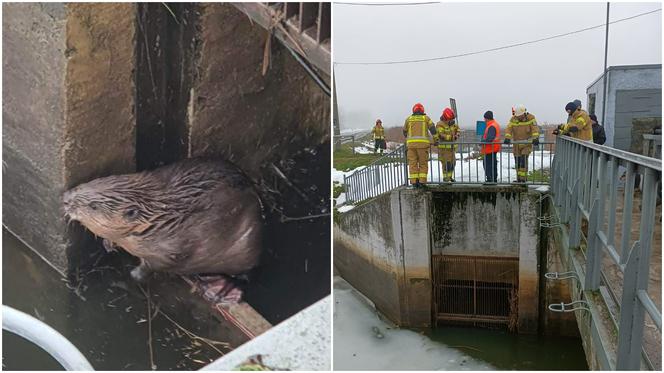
[[634, 91]]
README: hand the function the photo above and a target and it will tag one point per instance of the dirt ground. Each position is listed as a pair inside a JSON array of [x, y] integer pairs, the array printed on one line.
[[652, 337]]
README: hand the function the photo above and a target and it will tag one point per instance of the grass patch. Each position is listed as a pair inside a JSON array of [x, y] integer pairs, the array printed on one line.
[[539, 176], [345, 160], [337, 189]]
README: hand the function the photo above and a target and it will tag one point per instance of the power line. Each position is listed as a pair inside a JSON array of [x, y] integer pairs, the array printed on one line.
[[385, 4], [497, 48]]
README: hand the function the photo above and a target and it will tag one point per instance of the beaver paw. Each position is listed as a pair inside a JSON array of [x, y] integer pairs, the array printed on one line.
[[219, 289], [109, 246], [140, 273]]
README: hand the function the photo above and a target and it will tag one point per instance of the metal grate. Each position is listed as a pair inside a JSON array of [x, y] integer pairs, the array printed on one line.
[[477, 291]]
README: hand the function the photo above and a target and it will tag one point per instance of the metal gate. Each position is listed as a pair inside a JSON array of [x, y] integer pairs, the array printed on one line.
[[477, 291]]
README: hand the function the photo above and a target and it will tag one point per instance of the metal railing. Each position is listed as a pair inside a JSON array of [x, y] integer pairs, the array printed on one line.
[[47, 338], [380, 176], [391, 170], [354, 139], [585, 184]]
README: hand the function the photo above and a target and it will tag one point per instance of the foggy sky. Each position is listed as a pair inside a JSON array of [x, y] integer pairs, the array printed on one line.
[[543, 76]]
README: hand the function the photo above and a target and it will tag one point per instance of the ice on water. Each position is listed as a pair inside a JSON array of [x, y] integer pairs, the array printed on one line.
[[363, 341]]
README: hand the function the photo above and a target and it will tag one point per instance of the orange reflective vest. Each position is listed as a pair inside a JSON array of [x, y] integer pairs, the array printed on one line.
[[495, 147]]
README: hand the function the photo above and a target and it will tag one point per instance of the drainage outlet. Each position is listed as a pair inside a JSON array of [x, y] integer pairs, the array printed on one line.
[[475, 291]]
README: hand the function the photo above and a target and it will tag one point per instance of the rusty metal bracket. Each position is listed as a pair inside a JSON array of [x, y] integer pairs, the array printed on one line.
[[561, 275], [570, 307], [548, 221]]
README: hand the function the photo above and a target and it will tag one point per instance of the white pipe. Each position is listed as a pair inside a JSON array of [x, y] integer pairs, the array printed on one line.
[[45, 337]]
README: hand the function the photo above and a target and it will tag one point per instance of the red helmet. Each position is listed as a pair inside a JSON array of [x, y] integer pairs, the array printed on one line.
[[418, 108], [448, 114]]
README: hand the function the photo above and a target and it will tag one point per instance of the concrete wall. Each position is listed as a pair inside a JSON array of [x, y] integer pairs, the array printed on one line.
[[92, 90], [476, 221], [529, 266], [556, 323], [384, 247], [236, 112], [68, 114], [622, 78], [368, 252]]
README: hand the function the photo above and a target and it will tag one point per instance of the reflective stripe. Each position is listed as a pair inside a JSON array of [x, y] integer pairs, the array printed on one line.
[[518, 124], [508, 135], [417, 139], [535, 134]]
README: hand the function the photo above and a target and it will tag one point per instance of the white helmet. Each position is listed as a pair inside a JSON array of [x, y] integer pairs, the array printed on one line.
[[519, 110]]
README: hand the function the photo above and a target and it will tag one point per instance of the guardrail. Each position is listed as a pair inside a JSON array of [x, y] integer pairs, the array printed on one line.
[[585, 185], [391, 170]]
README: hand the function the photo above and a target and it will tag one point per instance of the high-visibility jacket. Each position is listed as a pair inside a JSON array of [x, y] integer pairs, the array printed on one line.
[[495, 147], [446, 132], [526, 130], [378, 133], [581, 120], [416, 129]]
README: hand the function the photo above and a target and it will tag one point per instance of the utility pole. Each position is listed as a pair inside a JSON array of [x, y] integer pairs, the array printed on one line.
[[335, 113], [606, 57]]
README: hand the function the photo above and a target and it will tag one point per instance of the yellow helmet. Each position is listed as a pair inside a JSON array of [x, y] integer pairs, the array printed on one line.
[[519, 110]]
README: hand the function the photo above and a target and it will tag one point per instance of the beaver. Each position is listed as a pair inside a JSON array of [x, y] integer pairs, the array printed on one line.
[[193, 217]]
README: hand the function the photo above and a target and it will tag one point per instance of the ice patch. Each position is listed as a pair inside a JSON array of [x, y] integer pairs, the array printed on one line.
[[362, 341]]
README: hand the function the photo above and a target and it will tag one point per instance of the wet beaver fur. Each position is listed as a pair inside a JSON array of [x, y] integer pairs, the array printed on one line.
[[196, 216]]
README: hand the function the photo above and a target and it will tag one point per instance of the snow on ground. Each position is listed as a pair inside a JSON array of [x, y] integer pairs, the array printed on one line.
[[363, 341], [367, 147], [390, 175], [346, 208], [352, 131], [338, 178], [338, 175]]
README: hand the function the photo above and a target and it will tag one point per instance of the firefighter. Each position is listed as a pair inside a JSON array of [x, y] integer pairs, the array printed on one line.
[[579, 125], [522, 127], [417, 144], [447, 131], [491, 147], [379, 136]]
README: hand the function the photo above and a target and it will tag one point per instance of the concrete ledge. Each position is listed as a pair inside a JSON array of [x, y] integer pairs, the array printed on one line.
[[302, 342]]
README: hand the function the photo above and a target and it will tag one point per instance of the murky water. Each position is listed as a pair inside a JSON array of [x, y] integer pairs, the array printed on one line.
[[364, 341], [107, 320]]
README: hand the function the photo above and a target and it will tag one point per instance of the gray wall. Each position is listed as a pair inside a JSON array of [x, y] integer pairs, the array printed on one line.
[[645, 78], [383, 247], [632, 104]]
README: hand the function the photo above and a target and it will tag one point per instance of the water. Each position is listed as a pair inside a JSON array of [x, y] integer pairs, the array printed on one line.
[[107, 320], [358, 344], [506, 351]]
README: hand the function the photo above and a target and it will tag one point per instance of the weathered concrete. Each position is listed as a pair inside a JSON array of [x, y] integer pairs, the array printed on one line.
[[556, 323], [237, 113], [474, 220], [368, 252], [529, 231], [415, 233], [67, 100], [384, 247]]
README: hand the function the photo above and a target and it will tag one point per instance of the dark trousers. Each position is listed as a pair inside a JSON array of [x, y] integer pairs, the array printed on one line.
[[491, 167]]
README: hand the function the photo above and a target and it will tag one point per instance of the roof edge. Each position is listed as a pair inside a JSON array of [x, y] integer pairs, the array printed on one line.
[[625, 67]]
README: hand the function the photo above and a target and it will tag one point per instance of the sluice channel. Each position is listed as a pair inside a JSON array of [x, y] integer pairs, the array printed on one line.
[[464, 265], [475, 291]]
